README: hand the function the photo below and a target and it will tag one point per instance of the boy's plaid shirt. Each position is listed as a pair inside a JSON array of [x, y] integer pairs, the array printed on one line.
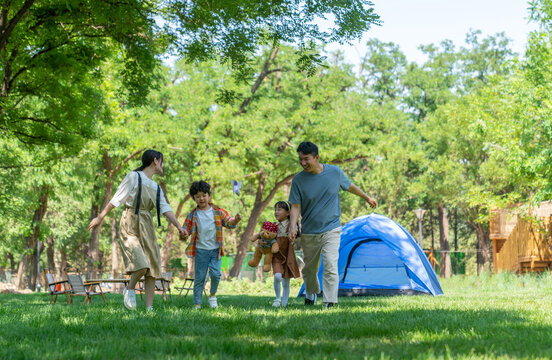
[[222, 218]]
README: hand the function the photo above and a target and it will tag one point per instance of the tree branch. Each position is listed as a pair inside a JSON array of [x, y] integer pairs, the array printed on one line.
[[128, 158], [341, 161], [43, 121], [258, 82], [282, 182], [4, 14], [7, 30], [254, 174]]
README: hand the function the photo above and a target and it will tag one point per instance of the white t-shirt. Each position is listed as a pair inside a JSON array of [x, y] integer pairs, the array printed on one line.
[[126, 192], [206, 230]]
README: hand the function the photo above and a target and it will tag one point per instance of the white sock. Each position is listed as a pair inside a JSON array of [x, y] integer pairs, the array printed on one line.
[[277, 281], [310, 296], [285, 293]]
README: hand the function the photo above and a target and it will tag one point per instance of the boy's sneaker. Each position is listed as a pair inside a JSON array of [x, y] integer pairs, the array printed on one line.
[[149, 309], [129, 299], [197, 306], [213, 302], [276, 303], [330, 305]]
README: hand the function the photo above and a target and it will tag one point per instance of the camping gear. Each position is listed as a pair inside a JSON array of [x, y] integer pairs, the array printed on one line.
[[377, 256]]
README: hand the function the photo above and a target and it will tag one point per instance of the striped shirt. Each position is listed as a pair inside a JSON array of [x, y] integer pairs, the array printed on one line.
[[222, 218]]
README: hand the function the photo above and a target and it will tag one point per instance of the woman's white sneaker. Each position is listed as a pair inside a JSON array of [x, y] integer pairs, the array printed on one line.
[[129, 297]]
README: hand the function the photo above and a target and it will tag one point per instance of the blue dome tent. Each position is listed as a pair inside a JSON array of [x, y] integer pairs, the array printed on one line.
[[377, 256]]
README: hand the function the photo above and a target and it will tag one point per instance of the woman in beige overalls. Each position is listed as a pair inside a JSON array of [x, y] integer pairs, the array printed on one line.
[[140, 194]]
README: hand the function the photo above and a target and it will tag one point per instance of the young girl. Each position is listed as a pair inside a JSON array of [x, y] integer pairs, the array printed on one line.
[[284, 262]]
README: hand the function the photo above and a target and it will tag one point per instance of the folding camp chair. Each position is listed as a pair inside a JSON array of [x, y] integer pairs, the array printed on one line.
[[162, 285], [57, 288], [78, 288], [189, 285]]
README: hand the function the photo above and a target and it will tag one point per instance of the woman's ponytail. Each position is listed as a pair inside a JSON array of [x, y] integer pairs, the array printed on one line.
[[147, 158]]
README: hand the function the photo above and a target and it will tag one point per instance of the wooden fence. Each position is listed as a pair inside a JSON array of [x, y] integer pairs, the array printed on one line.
[[527, 246]]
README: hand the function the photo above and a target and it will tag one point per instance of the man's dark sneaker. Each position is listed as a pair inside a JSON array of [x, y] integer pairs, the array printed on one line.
[[330, 305], [309, 302]]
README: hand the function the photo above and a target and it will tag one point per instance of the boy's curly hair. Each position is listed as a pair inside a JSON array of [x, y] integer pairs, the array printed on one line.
[[198, 186]]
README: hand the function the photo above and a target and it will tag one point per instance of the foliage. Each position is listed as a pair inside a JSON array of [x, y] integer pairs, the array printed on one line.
[[469, 128], [53, 52]]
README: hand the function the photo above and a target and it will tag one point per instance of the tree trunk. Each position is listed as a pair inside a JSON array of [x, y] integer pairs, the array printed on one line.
[[166, 250], [254, 216], [39, 278], [94, 241], [483, 249], [92, 248], [114, 248], [2, 269], [58, 267], [455, 241], [444, 242], [50, 255], [12, 262], [63, 264], [27, 268], [431, 228], [245, 237]]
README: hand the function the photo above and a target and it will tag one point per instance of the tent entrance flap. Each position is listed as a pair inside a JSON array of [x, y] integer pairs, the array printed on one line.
[[371, 263]]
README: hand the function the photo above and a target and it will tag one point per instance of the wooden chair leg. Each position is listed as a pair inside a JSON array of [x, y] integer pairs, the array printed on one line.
[[66, 298], [101, 292]]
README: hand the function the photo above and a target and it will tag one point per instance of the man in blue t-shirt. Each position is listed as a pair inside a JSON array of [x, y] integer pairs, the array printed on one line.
[[315, 195]]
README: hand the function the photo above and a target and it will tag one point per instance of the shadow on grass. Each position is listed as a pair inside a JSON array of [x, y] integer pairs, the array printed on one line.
[[247, 326]]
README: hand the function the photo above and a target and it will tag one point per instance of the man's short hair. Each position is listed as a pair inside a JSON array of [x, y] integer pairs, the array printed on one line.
[[307, 148], [198, 186]]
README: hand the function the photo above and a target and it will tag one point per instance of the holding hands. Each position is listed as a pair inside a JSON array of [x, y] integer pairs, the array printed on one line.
[[292, 234], [183, 233], [236, 219]]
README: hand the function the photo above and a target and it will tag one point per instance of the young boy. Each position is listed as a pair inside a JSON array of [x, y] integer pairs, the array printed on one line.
[[204, 224]]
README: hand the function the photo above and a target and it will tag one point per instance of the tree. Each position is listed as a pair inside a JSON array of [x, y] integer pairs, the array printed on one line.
[[382, 70], [51, 52], [258, 144]]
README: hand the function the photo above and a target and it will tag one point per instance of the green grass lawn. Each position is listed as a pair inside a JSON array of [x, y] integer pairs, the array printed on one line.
[[502, 316]]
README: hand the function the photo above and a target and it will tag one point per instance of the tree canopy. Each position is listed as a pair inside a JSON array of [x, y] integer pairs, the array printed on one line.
[[53, 51]]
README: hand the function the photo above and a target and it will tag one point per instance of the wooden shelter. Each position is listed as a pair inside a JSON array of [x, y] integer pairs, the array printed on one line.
[[522, 240]]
